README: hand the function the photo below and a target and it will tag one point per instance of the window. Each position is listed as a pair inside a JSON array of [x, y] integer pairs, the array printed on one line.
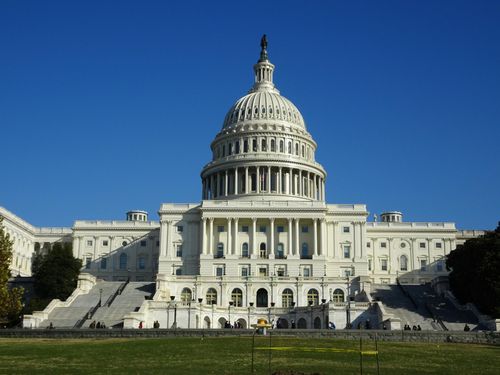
[[289, 147], [280, 228], [383, 264], [306, 271], [383, 244], [143, 243], [237, 148], [245, 271], [104, 263], [178, 271], [90, 242], [141, 263], [211, 296], [439, 266], [368, 244], [346, 229], [88, 262], [262, 228], [186, 295], [422, 245], [263, 252], [287, 298], [281, 146], [220, 228], [237, 297], [179, 251], [123, 261], [369, 264], [244, 228], [280, 271], [245, 145], [347, 251], [244, 250], [262, 271], [220, 250], [105, 243], [219, 271], [254, 145], [403, 263], [273, 145], [180, 228], [157, 243], [280, 253], [124, 243], [303, 151], [423, 264], [305, 229], [439, 245], [338, 296], [297, 149], [312, 297], [305, 251], [223, 150]]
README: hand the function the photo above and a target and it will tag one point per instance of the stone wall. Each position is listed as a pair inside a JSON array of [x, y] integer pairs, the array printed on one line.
[[402, 336]]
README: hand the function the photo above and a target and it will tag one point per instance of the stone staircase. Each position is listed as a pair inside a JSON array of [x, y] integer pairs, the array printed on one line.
[[130, 299], [69, 316]]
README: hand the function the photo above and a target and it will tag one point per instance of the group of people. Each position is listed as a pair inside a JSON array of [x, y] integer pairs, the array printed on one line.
[[235, 325], [414, 328], [97, 325], [156, 324]]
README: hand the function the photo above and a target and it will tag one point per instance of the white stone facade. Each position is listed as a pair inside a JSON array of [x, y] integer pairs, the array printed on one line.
[[263, 240]]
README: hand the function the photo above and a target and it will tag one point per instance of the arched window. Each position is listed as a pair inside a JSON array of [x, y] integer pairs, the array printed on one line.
[[186, 295], [245, 145], [305, 250], [263, 145], [141, 262], [273, 145], [287, 298], [263, 253], [237, 297], [123, 261], [403, 263], [254, 145], [244, 250], [303, 151], [312, 297], [280, 253], [289, 147], [237, 147], [262, 298], [223, 150], [211, 296], [220, 250], [281, 146], [297, 149], [338, 296]]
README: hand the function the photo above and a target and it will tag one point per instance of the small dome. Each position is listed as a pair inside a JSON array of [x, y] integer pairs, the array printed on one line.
[[263, 105]]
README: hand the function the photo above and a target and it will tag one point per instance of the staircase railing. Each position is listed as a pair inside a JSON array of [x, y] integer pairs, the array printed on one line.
[[88, 315], [405, 292], [116, 293]]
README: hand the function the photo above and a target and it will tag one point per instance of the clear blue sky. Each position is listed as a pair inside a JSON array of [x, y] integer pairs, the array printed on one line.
[[107, 106]]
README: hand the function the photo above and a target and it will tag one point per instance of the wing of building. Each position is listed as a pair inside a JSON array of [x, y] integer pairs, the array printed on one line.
[[262, 241]]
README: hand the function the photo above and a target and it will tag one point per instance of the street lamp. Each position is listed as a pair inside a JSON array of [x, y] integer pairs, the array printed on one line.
[[230, 304], [325, 324], [311, 312], [189, 314], [172, 298], [249, 308], [213, 303], [294, 323], [348, 306], [200, 300], [270, 310]]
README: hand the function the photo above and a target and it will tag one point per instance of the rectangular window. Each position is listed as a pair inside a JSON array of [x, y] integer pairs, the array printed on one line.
[[220, 228], [219, 271], [88, 262], [178, 271], [262, 271], [422, 245], [179, 251], [105, 243], [141, 263], [104, 263], [307, 272], [346, 229], [262, 228], [439, 245], [347, 273], [280, 272], [143, 243], [244, 228], [369, 264], [368, 244], [383, 264], [90, 242], [383, 244], [423, 264], [281, 229], [180, 228], [305, 229], [244, 271], [347, 251]]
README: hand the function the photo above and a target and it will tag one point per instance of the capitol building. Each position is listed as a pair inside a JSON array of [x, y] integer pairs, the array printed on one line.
[[262, 243]]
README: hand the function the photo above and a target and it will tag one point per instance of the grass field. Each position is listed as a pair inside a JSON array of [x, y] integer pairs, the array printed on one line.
[[232, 355]]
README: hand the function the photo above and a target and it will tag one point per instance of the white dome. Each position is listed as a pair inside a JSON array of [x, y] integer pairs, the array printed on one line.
[[263, 105]]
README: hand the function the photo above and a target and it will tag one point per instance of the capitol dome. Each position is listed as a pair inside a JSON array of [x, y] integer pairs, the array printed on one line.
[[263, 150]]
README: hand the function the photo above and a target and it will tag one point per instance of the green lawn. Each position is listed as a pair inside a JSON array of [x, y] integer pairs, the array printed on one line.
[[232, 355]]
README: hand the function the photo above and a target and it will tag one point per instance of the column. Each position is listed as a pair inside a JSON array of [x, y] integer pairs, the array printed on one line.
[[271, 247], [323, 237], [299, 182], [336, 237], [309, 189], [268, 180], [228, 242], [279, 182], [235, 237], [297, 244], [315, 187], [218, 184], [287, 183], [226, 183], [289, 250], [254, 229], [246, 181], [257, 176], [236, 180], [211, 237], [203, 235], [169, 241], [315, 236]]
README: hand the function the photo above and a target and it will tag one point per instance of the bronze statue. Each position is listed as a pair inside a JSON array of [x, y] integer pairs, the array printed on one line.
[[263, 42]]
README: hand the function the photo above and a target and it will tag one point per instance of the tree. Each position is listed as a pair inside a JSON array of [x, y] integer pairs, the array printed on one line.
[[56, 273], [474, 273], [10, 299]]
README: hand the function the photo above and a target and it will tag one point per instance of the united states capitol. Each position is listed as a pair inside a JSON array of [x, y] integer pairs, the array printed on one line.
[[261, 244]]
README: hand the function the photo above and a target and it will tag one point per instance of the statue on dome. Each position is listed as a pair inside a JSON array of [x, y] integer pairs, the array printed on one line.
[[263, 42]]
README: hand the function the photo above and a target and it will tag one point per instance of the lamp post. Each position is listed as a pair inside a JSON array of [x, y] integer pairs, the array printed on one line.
[[100, 297], [249, 308], [348, 306], [325, 324], [200, 300], [230, 304], [294, 324], [213, 303], [172, 298], [270, 311], [311, 312], [189, 314]]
